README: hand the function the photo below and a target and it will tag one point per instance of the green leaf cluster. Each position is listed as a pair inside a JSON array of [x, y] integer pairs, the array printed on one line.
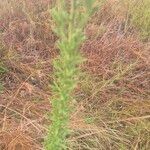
[[70, 19]]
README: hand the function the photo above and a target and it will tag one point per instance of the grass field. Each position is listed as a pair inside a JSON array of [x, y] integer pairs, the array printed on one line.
[[111, 104]]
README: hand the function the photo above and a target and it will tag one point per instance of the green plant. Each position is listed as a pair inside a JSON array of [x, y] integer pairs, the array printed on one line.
[[3, 70], [140, 16], [70, 20]]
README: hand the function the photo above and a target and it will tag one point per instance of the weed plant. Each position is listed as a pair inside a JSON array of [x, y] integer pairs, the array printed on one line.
[[70, 20], [3, 70], [140, 16]]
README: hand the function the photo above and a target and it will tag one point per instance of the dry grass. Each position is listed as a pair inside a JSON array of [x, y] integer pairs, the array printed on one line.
[[112, 99]]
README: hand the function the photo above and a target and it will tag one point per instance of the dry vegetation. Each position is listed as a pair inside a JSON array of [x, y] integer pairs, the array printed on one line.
[[113, 98]]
